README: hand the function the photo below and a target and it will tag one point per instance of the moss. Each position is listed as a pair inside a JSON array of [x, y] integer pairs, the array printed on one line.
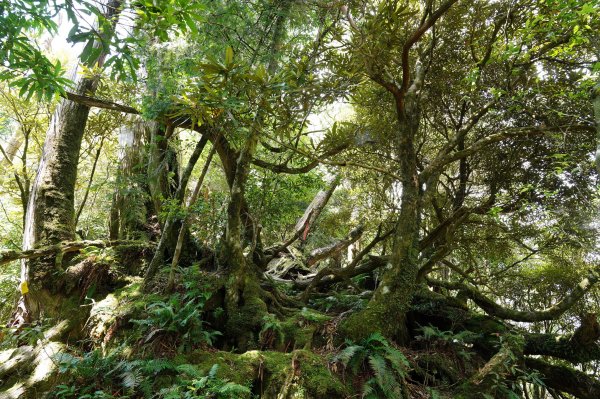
[[244, 321], [270, 372], [300, 329], [364, 323]]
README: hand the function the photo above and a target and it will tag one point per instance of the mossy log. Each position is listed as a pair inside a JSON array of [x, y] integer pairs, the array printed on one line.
[[300, 374], [447, 313]]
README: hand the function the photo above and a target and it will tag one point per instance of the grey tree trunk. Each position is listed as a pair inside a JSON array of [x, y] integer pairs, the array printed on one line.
[[50, 211], [128, 212]]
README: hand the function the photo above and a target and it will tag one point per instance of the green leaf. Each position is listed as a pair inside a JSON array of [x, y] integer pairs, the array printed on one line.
[[228, 56]]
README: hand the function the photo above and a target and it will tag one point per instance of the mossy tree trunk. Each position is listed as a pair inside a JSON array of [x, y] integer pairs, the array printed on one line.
[[244, 299], [386, 312], [50, 212]]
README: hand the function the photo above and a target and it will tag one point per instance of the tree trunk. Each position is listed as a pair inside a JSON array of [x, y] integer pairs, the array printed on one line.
[[129, 212], [50, 210], [386, 312], [172, 223]]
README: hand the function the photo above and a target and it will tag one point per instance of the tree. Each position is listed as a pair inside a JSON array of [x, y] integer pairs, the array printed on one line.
[[462, 206]]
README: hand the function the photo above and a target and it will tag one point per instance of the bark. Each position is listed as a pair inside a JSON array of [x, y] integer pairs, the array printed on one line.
[[129, 212], [163, 167], [183, 228], [579, 347], [10, 150], [314, 209], [306, 222], [172, 223], [386, 312], [317, 255], [91, 101], [551, 313], [332, 276], [50, 210], [448, 313], [90, 180], [565, 379]]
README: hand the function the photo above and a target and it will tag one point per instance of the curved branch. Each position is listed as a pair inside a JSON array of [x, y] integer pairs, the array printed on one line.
[[551, 313], [337, 275], [566, 379], [479, 145], [317, 255], [99, 103], [415, 37], [316, 160]]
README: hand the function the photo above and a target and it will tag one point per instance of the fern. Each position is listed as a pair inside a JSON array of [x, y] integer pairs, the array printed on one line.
[[386, 364], [233, 391], [188, 370]]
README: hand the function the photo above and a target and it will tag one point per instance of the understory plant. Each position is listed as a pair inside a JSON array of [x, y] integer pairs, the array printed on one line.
[[179, 317], [384, 366], [94, 376]]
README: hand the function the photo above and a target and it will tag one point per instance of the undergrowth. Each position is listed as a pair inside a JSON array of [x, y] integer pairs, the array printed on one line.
[[94, 376], [381, 366]]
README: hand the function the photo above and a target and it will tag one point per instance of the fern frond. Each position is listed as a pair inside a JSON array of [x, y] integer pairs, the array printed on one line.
[[213, 371], [189, 370], [234, 391], [346, 354]]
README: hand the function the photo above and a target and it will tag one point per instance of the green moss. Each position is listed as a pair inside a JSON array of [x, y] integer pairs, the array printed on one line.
[[362, 324], [299, 330], [269, 372]]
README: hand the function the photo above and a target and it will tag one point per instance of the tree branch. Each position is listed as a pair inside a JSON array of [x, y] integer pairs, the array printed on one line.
[[443, 160], [566, 379], [64, 247], [551, 313], [415, 37], [98, 103]]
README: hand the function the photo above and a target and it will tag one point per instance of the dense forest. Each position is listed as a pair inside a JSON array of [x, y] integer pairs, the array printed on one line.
[[299, 199]]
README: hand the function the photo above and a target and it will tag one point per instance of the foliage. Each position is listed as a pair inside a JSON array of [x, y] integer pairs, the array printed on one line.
[[271, 332], [339, 302], [179, 316], [207, 387], [461, 340], [11, 337], [33, 72], [94, 376], [385, 366]]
